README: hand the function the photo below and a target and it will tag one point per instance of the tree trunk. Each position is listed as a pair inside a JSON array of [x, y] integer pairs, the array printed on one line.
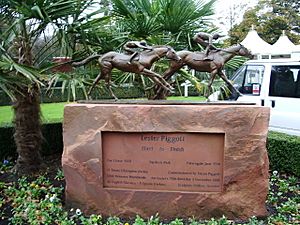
[[28, 134]]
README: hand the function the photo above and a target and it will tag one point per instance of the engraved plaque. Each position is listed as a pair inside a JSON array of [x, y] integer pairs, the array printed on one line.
[[191, 162]]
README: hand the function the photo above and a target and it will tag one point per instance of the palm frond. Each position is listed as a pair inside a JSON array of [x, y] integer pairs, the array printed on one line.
[[235, 62], [7, 65], [70, 82]]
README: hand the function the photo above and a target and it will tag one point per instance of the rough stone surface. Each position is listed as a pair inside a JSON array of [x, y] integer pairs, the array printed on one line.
[[245, 171]]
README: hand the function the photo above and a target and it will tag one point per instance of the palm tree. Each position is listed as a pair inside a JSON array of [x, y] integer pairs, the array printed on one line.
[[23, 24], [164, 22]]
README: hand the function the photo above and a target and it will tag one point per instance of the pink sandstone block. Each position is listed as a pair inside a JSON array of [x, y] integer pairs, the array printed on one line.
[[176, 160]]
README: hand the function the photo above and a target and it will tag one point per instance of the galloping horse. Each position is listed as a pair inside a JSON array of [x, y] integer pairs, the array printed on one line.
[[139, 65], [195, 60]]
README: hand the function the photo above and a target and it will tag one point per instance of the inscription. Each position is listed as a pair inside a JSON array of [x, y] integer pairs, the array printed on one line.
[[162, 138], [163, 161]]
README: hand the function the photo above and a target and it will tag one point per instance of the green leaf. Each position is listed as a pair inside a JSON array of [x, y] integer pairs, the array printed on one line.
[[37, 10]]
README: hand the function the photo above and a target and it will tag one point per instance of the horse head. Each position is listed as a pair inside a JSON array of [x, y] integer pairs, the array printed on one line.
[[166, 51], [243, 51], [171, 54]]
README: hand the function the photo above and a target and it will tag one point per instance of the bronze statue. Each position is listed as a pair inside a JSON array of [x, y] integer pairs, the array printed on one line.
[[195, 60], [140, 65], [131, 45], [206, 41]]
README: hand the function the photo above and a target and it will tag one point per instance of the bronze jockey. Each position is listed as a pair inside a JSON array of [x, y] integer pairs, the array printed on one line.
[[131, 46], [206, 41]]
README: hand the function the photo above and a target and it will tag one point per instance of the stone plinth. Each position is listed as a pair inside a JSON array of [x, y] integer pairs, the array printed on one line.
[[201, 160]]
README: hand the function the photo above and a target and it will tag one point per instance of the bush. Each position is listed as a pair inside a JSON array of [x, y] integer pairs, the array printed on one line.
[[4, 99], [53, 140], [192, 91], [57, 96], [103, 93], [7, 144], [284, 152]]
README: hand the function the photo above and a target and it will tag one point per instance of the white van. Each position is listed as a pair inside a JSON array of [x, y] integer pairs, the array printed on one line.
[[274, 83]]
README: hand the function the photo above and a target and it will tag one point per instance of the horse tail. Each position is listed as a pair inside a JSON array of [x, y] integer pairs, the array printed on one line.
[[85, 61]]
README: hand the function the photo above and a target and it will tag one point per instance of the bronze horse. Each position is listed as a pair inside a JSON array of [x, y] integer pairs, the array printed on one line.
[[214, 66], [139, 65]]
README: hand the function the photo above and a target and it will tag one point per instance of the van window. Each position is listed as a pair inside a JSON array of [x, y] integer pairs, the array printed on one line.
[[248, 79], [285, 81]]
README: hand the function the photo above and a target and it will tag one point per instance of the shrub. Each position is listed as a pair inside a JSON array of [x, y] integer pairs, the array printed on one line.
[[284, 152], [7, 144], [53, 141], [57, 96]]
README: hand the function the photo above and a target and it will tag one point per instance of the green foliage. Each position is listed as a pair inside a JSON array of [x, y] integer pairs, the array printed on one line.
[[51, 113], [59, 175], [25, 24], [38, 201], [7, 144], [289, 10], [284, 198], [284, 154], [5, 166], [25, 37], [13, 76], [72, 82], [270, 17], [52, 142], [57, 95], [170, 22]]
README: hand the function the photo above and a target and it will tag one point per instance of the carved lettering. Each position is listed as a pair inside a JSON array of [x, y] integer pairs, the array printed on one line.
[[163, 161]]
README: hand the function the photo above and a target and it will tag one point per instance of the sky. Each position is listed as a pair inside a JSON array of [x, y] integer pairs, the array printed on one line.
[[222, 10]]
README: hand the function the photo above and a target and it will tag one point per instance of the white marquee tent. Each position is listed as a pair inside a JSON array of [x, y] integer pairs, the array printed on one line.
[[282, 48], [254, 43]]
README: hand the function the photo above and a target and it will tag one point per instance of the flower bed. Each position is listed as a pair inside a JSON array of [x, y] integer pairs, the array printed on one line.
[[40, 200]]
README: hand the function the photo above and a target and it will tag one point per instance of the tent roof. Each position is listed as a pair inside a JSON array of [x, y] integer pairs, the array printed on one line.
[[254, 43], [283, 45]]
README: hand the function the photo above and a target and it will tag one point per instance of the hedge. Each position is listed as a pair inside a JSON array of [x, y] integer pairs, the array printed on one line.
[[283, 149], [52, 144], [120, 92], [57, 96], [284, 152]]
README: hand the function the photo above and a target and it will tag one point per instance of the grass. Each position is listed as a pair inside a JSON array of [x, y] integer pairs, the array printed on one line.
[[190, 98], [53, 112]]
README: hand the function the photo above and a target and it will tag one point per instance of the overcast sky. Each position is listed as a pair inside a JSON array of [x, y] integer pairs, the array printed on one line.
[[222, 10]]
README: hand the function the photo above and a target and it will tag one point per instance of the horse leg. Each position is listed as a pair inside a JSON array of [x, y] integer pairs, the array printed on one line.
[[210, 82], [160, 78], [161, 93], [107, 83], [106, 70], [94, 84], [230, 86], [157, 79], [174, 66]]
